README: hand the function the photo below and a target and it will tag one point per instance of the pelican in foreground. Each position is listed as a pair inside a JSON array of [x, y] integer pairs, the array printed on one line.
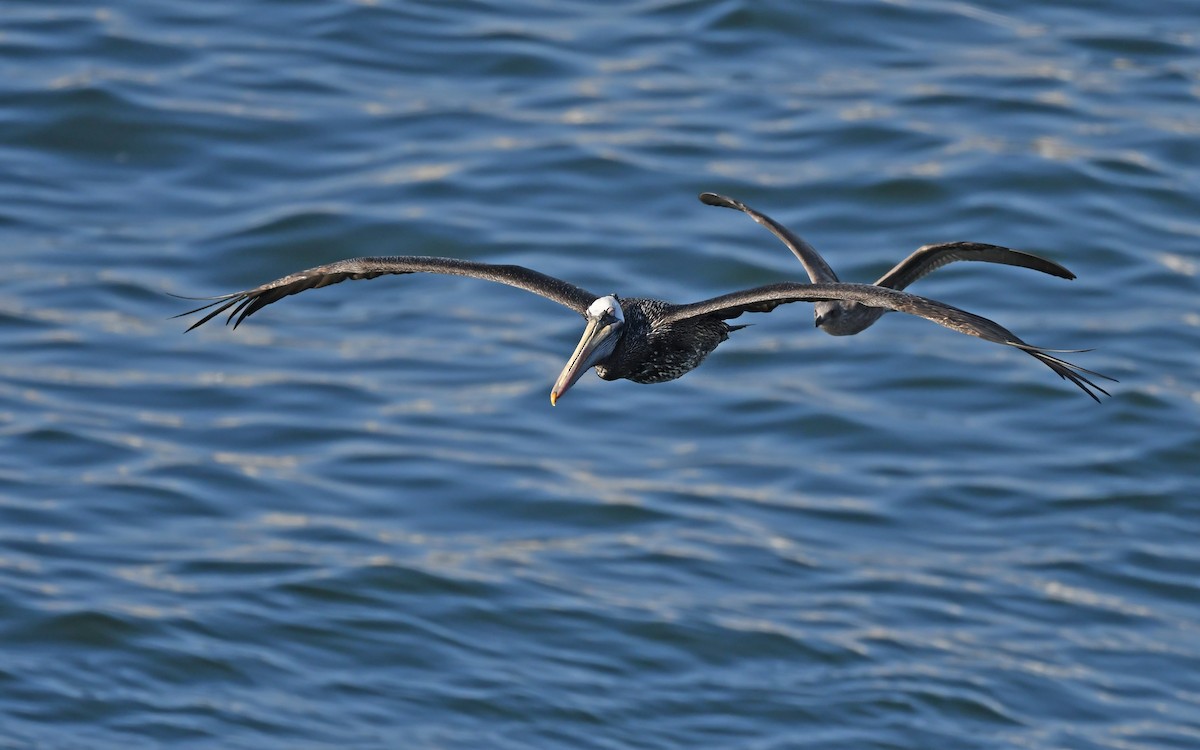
[[643, 340], [846, 318]]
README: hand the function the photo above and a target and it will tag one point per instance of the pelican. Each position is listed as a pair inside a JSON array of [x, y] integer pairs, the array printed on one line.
[[643, 340], [845, 318]]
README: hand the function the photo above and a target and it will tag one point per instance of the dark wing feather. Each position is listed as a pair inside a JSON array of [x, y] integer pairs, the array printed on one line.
[[818, 270], [931, 257], [243, 304], [767, 298]]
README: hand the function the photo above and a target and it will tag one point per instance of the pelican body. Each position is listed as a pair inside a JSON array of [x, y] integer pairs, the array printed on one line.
[[646, 345]]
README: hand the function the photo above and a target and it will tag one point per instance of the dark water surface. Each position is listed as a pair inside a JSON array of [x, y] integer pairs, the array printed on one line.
[[357, 521]]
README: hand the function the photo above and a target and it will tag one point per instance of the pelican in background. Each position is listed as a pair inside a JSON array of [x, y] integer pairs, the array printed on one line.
[[643, 340], [845, 318]]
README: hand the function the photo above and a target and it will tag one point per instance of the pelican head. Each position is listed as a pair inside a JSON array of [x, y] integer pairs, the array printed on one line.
[[826, 313], [604, 323]]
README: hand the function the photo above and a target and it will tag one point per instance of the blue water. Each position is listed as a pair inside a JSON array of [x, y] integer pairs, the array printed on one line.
[[356, 521]]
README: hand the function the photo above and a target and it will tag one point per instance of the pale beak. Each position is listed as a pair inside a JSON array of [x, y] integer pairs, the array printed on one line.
[[596, 344]]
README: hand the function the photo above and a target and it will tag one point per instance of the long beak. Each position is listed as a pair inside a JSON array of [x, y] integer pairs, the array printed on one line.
[[592, 347]]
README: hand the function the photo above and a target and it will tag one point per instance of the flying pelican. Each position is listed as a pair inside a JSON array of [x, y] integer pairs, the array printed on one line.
[[643, 340], [845, 318]]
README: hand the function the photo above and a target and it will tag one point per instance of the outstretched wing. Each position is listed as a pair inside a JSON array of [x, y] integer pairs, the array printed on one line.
[[932, 257], [818, 270], [243, 304], [767, 298]]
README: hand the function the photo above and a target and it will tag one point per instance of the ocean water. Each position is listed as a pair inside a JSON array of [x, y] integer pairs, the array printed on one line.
[[357, 521]]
